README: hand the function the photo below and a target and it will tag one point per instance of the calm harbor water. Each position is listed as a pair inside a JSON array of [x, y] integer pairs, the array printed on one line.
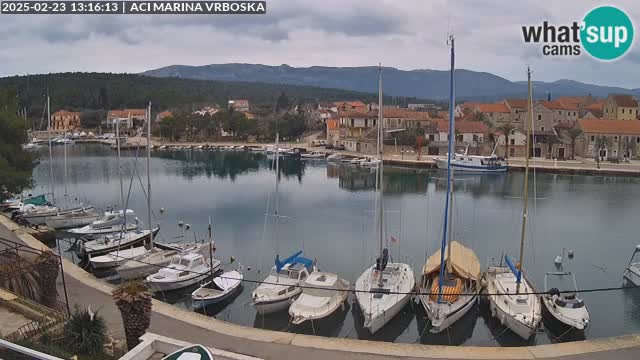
[[328, 211]]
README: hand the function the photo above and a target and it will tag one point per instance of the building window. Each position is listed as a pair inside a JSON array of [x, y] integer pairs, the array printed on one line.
[[542, 128], [637, 139], [539, 117], [559, 112], [623, 111], [512, 141], [615, 139], [593, 138], [516, 111]]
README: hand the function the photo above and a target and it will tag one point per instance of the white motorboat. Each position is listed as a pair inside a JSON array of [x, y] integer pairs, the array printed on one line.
[[355, 161], [314, 155], [110, 222], [184, 270], [510, 293], [228, 148], [73, 218], [510, 300], [258, 148], [632, 272], [154, 259], [108, 243], [567, 308], [451, 298], [191, 352], [370, 163], [116, 258], [221, 288], [384, 288], [282, 285], [322, 294], [38, 214]]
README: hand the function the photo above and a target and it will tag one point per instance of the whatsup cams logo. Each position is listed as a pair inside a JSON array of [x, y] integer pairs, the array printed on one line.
[[605, 33]]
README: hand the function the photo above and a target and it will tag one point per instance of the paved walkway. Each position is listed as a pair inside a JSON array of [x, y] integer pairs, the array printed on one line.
[[84, 290]]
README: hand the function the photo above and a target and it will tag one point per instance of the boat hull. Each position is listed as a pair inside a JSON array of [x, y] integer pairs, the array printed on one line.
[[202, 303], [272, 306], [87, 253], [571, 319], [61, 222], [632, 274], [318, 314], [375, 323], [442, 164], [158, 286], [438, 325]]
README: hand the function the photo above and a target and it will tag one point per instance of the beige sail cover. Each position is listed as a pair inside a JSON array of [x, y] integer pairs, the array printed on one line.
[[464, 262]]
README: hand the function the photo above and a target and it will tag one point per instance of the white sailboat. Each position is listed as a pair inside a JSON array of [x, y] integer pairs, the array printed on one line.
[[282, 285], [110, 222], [510, 293], [384, 288], [113, 242], [322, 294], [452, 282]]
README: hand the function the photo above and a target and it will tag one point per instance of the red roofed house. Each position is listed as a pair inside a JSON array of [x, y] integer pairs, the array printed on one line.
[[63, 120], [497, 114], [472, 133], [623, 138], [350, 106], [239, 105], [594, 110], [164, 114], [519, 109], [126, 118], [622, 107]]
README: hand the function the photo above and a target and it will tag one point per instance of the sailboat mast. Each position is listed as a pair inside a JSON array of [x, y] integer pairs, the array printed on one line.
[[66, 193], [53, 195], [526, 184], [210, 249], [277, 212], [119, 165], [443, 245], [149, 175], [380, 167]]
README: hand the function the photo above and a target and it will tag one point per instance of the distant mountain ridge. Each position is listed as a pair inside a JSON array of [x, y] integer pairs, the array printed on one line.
[[422, 83]]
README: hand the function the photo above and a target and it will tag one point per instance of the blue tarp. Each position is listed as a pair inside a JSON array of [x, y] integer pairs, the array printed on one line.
[[289, 260], [513, 268]]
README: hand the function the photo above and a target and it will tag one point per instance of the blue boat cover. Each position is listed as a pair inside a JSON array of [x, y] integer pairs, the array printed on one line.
[[289, 260], [36, 200], [513, 268]]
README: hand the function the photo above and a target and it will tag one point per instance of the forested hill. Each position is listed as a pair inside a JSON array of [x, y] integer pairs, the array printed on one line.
[[82, 91]]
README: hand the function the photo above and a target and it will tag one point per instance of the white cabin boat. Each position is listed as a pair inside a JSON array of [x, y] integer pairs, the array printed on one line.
[[279, 289], [108, 243], [567, 308], [150, 262], [474, 163], [313, 155], [184, 270], [632, 272], [117, 257], [221, 288], [322, 294]]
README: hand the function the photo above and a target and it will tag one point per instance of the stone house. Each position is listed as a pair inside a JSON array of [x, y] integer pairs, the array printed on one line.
[[63, 120], [621, 107], [622, 138]]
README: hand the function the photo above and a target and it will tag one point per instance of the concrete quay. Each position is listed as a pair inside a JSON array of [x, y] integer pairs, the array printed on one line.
[[184, 325]]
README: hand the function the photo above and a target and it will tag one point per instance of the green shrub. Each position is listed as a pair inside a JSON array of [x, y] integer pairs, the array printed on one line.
[[85, 332]]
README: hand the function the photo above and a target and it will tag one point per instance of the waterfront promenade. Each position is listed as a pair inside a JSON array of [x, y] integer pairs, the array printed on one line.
[[167, 320]]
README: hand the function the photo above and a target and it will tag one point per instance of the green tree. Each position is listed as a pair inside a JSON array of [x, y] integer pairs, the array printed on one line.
[[550, 141], [574, 134], [16, 164], [479, 116], [507, 129], [133, 299]]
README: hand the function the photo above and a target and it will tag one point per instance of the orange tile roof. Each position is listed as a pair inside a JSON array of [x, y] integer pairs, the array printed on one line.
[[469, 105], [598, 105], [464, 126], [127, 112], [610, 126], [571, 99], [357, 114], [552, 105], [405, 114], [493, 108], [624, 100], [65, 113], [518, 103]]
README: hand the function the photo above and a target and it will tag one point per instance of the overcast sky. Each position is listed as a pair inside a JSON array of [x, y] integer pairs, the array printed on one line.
[[406, 34]]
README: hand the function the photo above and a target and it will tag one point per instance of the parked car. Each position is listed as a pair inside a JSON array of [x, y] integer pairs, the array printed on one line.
[[339, 147], [328, 146]]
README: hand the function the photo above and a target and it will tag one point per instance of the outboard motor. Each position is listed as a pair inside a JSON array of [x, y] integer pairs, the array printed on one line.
[[381, 264]]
